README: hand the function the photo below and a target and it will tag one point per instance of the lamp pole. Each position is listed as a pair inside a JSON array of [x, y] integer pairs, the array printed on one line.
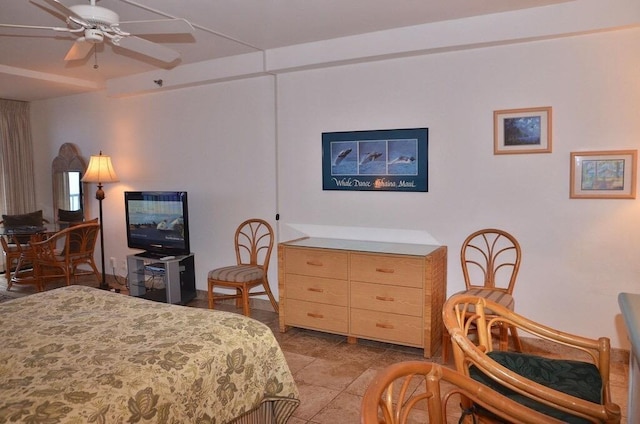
[[100, 197]]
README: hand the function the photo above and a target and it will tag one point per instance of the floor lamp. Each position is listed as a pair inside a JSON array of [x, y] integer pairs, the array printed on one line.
[[100, 170]]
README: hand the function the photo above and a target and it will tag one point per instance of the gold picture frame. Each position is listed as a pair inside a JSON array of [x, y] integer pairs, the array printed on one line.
[[606, 174], [525, 130]]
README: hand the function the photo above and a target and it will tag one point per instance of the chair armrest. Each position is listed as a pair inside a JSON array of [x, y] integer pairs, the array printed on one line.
[[393, 393], [47, 248]]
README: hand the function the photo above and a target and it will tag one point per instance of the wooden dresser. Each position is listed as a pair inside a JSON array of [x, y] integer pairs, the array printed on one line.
[[390, 292]]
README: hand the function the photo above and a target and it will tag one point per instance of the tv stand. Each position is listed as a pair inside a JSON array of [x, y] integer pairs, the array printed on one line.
[[178, 275], [151, 255]]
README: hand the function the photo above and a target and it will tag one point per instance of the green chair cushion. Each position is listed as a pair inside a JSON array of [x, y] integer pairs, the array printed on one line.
[[576, 378]]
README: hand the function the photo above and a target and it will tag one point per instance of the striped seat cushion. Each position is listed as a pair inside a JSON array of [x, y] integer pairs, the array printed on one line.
[[498, 296], [237, 273]]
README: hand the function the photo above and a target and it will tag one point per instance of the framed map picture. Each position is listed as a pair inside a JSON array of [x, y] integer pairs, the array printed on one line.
[[603, 174]]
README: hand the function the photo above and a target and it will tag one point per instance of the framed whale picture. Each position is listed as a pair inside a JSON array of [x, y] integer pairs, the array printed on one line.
[[377, 160]]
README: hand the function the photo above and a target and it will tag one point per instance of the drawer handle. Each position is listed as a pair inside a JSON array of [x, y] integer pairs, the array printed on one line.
[[387, 326], [313, 289], [385, 270], [314, 263], [313, 315], [385, 298]]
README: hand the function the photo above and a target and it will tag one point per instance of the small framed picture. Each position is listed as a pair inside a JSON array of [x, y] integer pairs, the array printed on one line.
[[603, 174], [522, 131]]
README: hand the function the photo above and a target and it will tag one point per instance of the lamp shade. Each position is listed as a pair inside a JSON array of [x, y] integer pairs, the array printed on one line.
[[100, 170]]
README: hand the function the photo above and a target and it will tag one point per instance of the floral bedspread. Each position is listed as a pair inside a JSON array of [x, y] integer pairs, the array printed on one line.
[[83, 355]]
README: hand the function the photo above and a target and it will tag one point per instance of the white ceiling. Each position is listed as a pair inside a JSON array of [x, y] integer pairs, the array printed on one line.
[[32, 62]]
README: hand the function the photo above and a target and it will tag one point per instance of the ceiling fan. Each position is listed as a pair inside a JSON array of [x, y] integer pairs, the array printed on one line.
[[94, 24]]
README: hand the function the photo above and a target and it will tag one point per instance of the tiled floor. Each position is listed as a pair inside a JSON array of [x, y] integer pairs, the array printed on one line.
[[332, 374]]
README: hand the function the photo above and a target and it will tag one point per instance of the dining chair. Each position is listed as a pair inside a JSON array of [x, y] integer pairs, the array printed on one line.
[[570, 383], [490, 260], [253, 245], [61, 254], [67, 218]]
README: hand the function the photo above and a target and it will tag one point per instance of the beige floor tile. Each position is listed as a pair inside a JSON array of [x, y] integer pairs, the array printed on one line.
[[365, 355], [294, 420], [360, 384], [310, 343], [296, 361], [312, 400], [392, 356], [343, 409], [335, 375]]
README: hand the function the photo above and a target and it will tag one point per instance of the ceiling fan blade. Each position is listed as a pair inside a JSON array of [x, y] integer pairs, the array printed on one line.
[[147, 48], [79, 50], [35, 27], [66, 11], [158, 26]]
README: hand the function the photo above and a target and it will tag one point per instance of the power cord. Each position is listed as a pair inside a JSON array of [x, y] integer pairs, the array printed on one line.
[[124, 284]]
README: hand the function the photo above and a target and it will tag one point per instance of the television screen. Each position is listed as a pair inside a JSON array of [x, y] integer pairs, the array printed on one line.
[[157, 222]]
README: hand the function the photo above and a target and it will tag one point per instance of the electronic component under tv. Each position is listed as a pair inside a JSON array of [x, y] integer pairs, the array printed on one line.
[[157, 222]]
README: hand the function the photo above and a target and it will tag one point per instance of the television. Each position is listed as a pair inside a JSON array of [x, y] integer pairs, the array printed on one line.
[[157, 222]]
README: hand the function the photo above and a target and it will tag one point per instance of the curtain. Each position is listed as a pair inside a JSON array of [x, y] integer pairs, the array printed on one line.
[[17, 186]]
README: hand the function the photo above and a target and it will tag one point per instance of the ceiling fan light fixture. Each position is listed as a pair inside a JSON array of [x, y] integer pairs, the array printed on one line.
[[93, 35]]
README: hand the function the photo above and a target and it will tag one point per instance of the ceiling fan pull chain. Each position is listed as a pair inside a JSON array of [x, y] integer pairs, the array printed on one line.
[[95, 56]]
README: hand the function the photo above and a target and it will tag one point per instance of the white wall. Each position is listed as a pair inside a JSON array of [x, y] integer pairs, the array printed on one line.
[[218, 142], [578, 254]]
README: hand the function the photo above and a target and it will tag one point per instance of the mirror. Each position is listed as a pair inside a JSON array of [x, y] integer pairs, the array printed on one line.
[[66, 170]]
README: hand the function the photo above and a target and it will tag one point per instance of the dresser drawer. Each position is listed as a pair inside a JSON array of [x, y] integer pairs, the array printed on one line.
[[385, 269], [384, 298], [317, 289], [317, 263], [387, 327], [317, 316]]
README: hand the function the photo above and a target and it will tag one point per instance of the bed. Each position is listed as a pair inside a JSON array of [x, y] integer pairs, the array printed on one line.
[[83, 355]]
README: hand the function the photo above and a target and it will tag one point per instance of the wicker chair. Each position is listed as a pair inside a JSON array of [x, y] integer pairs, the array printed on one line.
[[398, 394], [253, 243], [574, 390], [60, 255], [490, 260]]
